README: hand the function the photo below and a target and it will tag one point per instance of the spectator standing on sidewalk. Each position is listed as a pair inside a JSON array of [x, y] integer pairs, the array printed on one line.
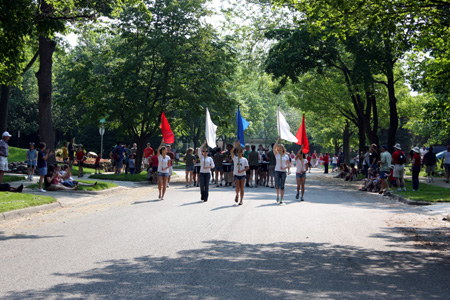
[[326, 162], [446, 163], [385, 163], [415, 162], [4, 151], [399, 159], [429, 160]]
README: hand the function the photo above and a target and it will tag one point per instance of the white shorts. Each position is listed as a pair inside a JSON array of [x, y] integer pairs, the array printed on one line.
[[399, 171], [170, 171], [3, 163]]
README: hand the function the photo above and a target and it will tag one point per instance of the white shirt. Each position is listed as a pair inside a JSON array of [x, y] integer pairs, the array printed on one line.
[[163, 163], [446, 157], [334, 160], [205, 163], [302, 165], [282, 162], [239, 165]]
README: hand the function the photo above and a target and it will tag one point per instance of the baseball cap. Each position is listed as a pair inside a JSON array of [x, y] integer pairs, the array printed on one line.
[[6, 133]]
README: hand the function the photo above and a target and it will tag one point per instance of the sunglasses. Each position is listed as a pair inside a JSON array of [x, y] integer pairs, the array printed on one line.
[[205, 150]]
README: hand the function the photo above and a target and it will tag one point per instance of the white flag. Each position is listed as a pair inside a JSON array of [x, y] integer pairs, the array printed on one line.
[[210, 131], [284, 131]]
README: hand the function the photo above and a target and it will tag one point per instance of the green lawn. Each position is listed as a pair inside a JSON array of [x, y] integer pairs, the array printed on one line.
[[426, 192], [100, 186], [10, 178], [122, 177], [12, 201], [17, 154]]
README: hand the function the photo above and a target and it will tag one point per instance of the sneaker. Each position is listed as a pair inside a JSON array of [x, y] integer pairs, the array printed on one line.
[[221, 184], [404, 189], [281, 202], [296, 196], [278, 199], [399, 190], [429, 180], [42, 190], [187, 185], [302, 199], [167, 185], [31, 178], [217, 185], [19, 189]]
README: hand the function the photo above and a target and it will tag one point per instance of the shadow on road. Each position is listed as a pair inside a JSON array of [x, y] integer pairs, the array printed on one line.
[[231, 270], [4, 237]]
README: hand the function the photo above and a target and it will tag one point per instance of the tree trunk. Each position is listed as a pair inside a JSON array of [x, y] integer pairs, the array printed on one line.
[[4, 100], [393, 115], [44, 77], [346, 139], [141, 144]]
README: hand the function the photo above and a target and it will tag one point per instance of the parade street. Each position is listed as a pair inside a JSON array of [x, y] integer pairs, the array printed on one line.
[[338, 244]]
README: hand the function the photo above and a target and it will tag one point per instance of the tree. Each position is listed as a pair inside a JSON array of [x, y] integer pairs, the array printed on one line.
[[141, 67]]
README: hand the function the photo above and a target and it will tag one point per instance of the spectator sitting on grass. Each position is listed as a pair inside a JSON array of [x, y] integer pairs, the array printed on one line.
[[353, 174], [6, 187], [52, 182], [343, 171], [371, 182], [66, 179]]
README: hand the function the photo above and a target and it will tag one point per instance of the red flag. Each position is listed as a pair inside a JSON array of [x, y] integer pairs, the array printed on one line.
[[167, 133], [302, 138]]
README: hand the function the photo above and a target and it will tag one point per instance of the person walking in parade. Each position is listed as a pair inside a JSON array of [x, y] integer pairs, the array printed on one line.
[[300, 174], [240, 168], [163, 169], [206, 164], [280, 169], [189, 159]]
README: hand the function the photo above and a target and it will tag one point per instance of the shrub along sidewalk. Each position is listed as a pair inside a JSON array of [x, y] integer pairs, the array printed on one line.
[[12, 201], [11, 178]]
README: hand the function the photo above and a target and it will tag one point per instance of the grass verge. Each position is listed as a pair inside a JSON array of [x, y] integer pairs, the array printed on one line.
[[100, 186], [10, 178], [426, 192], [121, 177], [17, 154], [12, 201]]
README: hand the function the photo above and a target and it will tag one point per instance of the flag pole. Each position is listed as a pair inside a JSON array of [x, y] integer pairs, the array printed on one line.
[[278, 119]]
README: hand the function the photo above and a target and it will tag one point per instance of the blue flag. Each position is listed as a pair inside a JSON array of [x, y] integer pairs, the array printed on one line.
[[242, 124]]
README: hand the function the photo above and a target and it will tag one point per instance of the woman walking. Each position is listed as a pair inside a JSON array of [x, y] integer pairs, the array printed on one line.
[[206, 164], [163, 169], [302, 167], [189, 159], [240, 168], [280, 169]]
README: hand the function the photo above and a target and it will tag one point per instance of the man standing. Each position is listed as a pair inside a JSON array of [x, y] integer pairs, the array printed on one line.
[[399, 159], [4, 151], [148, 153], [326, 162], [385, 162], [446, 163]]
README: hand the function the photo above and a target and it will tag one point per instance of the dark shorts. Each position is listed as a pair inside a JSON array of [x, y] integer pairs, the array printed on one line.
[[42, 171], [31, 166], [196, 169], [80, 163], [300, 175], [189, 169], [97, 166], [219, 168], [447, 167], [239, 177], [384, 174], [155, 169], [254, 168]]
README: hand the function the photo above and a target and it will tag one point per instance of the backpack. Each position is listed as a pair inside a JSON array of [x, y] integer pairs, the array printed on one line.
[[401, 158]]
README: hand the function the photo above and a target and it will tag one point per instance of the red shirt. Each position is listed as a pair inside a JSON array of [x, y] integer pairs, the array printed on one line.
[[308, 158], [391, 175], [326, 159], [80, 155], [416, 156], [314, 156], [155, 160], [97, 159], [396, 156], [148, 152]]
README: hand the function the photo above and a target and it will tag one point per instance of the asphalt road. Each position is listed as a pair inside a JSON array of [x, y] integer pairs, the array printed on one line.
[[338, 244]]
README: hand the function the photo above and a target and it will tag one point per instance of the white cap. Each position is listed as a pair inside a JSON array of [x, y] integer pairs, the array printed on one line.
[[6, 133]]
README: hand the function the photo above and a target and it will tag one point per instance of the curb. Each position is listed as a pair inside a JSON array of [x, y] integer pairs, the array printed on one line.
[[29, 210], [407, 201]]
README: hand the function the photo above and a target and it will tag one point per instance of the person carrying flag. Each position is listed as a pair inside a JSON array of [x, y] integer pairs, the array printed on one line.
[[240, 168]]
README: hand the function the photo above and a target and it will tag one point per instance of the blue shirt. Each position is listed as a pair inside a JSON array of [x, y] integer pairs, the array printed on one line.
[[31, 156], [42, 163]]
